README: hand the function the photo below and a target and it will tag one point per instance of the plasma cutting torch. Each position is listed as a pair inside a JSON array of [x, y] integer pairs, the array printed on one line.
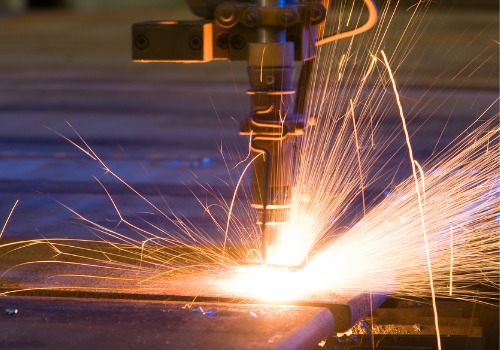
[[271, 35]]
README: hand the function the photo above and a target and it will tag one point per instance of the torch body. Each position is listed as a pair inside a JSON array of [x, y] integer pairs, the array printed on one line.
[[271, 35], [274, 139]]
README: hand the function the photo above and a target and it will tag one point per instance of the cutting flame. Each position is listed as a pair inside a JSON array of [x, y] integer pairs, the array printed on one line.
[[264, 282], [292, 247]]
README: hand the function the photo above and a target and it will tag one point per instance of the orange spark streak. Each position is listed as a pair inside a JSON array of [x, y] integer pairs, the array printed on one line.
[[359, 158], [232, 202], [8, 218], [414, 172]]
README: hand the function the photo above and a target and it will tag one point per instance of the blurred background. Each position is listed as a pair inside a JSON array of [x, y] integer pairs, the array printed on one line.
[[24, 5], [13, 6]]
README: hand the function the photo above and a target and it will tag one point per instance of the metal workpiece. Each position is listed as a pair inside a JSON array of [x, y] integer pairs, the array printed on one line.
[[57, 323], [181, 284]]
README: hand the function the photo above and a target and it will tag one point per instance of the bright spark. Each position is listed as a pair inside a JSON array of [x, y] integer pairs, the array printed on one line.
[[8, 217]]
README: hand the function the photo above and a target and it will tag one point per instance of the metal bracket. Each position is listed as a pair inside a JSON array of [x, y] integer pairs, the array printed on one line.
[[227, 36]]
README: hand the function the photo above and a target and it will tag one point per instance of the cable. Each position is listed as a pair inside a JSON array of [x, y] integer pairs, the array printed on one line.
[[372, 20]]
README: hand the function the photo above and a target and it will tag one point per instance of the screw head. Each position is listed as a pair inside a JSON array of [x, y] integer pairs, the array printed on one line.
[[226, 15], [238, 42], [195, 42], [287, 17], [222, 41], [270, 80], [141, 42], [251, 17], [316, 13]]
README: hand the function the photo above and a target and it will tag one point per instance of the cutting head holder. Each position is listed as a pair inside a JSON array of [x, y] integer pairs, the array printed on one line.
[[272, 35]]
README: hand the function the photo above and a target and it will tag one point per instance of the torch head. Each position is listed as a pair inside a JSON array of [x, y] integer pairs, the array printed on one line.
[[271, 35]]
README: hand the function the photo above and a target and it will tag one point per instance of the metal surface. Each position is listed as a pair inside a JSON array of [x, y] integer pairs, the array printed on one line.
[[88, 281], [188, 41], [56, 323]]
